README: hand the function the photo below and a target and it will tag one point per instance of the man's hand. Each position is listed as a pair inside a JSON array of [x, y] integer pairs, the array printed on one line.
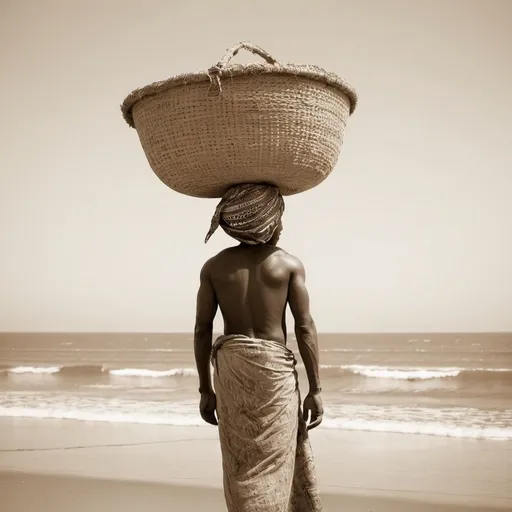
[[313, 410], [207, 407]]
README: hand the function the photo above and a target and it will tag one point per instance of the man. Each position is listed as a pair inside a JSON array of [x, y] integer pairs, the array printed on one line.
[[267, 458]]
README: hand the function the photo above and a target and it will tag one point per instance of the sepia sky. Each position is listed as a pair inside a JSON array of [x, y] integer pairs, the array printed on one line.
[[411, 232]]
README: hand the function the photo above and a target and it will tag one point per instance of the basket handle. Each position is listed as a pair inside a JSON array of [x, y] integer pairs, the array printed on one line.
[[245, 45]]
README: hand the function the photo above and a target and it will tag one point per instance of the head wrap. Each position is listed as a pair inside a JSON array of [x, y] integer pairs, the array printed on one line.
[[250, 213]]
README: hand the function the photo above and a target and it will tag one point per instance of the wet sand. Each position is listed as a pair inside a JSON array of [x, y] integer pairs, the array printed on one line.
[[56, 493], [59, 465]]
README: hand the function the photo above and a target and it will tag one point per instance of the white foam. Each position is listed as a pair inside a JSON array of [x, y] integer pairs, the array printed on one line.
[[104, 386], [490, 369], [141, 372], [408, 374], [186, 418], [35, 369], [347, 350], [437, 421], [121, 372], [384, 372], [102, 416], [418, 373], [433, 429]]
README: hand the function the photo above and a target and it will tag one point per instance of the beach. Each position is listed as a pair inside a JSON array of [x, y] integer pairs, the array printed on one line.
[[57, 465], [106, 422]]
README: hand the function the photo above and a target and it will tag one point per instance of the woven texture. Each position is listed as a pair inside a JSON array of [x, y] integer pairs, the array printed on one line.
[[249, 213], [259, 123], [266, 454]]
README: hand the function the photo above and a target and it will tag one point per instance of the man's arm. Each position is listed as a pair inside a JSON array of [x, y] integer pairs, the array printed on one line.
[[305, 329], [203, 331]]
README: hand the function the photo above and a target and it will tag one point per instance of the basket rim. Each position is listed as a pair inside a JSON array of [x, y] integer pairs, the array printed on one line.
[[235, 70]]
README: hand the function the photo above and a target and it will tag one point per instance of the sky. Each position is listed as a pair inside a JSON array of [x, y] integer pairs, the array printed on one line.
[[411, 232]]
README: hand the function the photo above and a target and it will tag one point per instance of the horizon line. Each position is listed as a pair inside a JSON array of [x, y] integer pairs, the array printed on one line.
[[288, 332]]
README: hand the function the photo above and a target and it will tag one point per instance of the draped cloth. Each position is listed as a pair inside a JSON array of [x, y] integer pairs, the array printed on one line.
[[250, 213], [266, 454]]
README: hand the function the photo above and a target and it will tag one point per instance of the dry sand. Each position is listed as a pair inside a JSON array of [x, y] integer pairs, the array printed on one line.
[[77, 466]]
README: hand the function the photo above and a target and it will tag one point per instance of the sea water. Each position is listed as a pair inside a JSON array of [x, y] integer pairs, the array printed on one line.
[[457, 385]]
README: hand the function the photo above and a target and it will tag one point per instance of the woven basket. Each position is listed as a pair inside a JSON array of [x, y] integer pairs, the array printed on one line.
[[281, 124]]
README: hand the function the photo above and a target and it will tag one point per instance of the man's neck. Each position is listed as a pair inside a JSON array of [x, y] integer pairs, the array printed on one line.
[[252, 246]]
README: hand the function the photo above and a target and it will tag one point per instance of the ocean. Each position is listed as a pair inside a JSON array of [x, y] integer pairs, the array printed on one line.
[[456, 385]]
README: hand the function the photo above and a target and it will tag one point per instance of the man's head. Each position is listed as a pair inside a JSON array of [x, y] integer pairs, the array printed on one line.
[[250, 213], [274, 240]]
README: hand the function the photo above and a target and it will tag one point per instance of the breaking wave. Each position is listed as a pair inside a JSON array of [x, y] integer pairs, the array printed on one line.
[[383, 372], [140, 372], [459, 422], [361, 371], [98, 370]]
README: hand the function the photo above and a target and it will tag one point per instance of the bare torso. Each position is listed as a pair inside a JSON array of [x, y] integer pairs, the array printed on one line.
[[251, 287]]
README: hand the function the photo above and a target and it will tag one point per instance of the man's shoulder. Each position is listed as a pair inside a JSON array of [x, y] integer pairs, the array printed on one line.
[[284, 257], [220, 255], [289, 259], [217, 259]]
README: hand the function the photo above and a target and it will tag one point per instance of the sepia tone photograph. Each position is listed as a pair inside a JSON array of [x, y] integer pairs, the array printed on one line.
[[256, 256]]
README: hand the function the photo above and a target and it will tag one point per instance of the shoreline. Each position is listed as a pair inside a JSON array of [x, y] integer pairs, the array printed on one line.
[[360, 471]]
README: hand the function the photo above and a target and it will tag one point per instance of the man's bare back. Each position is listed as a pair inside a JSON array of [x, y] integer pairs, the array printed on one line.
[[251, 284]]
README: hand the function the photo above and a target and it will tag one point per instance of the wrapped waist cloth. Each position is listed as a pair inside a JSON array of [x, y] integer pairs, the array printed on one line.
[[266, 455]]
